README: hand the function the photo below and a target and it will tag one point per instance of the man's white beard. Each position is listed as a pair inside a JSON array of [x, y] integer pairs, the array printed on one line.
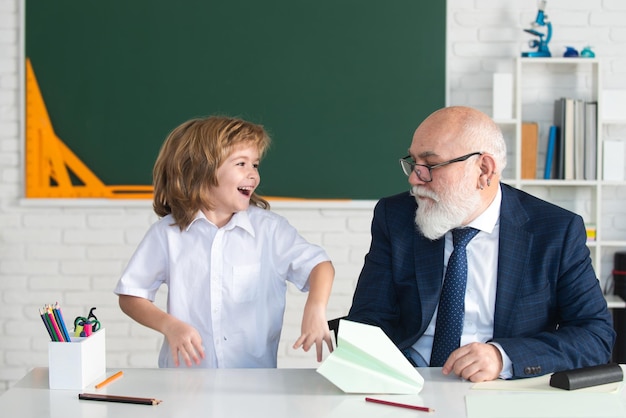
[[443, 212]]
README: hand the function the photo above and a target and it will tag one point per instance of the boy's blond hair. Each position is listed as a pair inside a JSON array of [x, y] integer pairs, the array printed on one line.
[[186, 167]]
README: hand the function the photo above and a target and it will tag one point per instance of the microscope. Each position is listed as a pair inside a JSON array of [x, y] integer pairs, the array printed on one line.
[[543, 38]]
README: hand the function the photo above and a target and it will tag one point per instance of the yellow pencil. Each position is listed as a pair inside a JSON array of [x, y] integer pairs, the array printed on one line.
[[109, 379]]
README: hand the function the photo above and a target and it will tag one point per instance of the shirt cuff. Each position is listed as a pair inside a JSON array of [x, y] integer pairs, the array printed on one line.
[[507, 364]]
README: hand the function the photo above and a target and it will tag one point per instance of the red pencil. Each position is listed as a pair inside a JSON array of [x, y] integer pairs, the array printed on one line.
[[400, 405]]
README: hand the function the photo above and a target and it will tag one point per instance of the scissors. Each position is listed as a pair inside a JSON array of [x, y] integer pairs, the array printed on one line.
[[84, 327]]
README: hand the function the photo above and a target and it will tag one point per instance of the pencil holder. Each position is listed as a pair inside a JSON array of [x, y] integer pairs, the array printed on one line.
[[76, 364]]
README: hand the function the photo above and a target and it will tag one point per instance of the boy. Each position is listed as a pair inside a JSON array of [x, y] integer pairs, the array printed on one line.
[[224, 256]]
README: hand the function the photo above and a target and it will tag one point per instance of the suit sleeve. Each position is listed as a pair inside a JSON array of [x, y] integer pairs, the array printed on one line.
[[564, 323], [375, 299]]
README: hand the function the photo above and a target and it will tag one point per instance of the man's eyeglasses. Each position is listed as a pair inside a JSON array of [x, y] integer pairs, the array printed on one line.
[[425, 175]]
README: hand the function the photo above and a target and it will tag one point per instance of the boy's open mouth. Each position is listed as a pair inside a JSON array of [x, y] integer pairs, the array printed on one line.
[[247, 191]]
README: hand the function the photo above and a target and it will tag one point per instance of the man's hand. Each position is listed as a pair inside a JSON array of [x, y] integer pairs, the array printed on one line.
[[476, 362]]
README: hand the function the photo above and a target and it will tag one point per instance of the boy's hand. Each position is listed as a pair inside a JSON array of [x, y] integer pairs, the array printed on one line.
[[314, 331], [184, 341]]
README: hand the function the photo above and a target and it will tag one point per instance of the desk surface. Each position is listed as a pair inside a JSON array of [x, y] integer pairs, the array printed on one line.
[[275, 393]]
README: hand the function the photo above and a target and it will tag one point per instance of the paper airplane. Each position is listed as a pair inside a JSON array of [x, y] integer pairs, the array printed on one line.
[[367, 361]]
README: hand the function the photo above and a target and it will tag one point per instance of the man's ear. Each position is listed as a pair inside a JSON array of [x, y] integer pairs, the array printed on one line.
[[487, 165], [487, 170]]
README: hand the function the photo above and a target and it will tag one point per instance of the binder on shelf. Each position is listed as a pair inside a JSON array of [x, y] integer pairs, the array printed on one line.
[[579, 139], [530, 133], [568, 140], [550, 152], [559, 150], [591, 140], [564, 119]]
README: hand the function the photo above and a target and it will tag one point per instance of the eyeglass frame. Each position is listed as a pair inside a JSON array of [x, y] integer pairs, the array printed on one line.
[[414, 165]]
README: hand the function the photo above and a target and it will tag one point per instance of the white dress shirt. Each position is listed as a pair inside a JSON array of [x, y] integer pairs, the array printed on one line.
[[229, 283], [480, 293]]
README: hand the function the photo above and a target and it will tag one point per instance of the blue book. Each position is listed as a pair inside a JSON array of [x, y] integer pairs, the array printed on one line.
[[547, 174]]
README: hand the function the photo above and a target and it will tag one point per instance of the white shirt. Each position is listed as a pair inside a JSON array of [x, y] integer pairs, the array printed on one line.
[[229, 283], [480, 293]]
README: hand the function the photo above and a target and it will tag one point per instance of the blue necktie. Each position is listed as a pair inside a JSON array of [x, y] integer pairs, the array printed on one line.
[[452, 301]]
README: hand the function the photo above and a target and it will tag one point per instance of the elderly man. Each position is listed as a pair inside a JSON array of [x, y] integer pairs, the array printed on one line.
[[474, 276]]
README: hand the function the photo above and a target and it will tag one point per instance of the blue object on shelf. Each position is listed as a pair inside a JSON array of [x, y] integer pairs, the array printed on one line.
[[541, 21], [587, 52], [547, 173], [570, 52]]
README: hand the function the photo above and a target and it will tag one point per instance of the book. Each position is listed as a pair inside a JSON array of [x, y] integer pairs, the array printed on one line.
[[530, 133], [591, 232], [568, 140], [559, 123], [579, 139], [591, 140], [564, 119], [548, 172], [367, 361]]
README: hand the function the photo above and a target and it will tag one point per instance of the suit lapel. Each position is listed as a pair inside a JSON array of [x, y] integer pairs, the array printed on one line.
[[513, 259], [429, 274]]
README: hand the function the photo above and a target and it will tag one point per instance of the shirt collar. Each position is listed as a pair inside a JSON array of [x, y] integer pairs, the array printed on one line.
[[488, 220], [239, 219]]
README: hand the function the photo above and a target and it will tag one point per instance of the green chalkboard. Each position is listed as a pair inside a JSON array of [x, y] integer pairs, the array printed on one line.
[[339, 84]]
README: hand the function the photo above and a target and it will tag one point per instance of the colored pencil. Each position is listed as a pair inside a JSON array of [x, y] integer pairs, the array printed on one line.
[[55, 327], [45, 322], [49, 324], [400, 405], [59, 315], [115, 398], [109, 379]]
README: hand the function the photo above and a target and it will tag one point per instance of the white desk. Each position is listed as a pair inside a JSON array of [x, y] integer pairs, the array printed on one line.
[[233, 393]]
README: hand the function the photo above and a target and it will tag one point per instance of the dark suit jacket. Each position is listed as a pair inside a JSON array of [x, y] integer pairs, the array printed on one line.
[[550, 313]]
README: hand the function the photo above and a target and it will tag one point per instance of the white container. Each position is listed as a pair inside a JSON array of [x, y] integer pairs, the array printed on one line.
[[613, 160], [614, 105], [76, 364], [502, 96]]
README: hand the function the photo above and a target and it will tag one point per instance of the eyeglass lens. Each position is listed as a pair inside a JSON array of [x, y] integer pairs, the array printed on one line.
[[422, 171]]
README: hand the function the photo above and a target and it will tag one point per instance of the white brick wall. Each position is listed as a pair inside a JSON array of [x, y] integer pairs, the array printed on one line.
[[73, 253]]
